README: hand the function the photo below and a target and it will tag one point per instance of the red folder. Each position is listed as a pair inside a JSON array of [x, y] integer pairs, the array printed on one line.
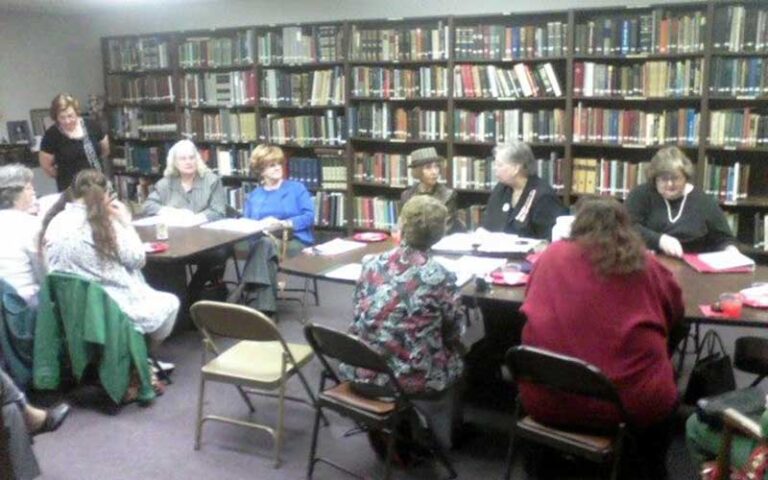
[[693, 260]]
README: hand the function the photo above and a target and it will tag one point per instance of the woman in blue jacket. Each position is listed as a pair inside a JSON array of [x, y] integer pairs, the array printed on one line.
[[280, 203]]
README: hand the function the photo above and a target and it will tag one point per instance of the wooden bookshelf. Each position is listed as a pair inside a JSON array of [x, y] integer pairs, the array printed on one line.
[[688, 74]]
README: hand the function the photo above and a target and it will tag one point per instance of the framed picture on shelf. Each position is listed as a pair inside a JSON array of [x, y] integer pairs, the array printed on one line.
[[18, 131], [41, 120]]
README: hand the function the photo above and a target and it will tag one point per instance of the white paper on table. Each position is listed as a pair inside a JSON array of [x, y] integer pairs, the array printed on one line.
[[486, 242], [728, 258], [171, 220], [334, 247], [468, 266], [496, 242], [350, 271], [241, 225]]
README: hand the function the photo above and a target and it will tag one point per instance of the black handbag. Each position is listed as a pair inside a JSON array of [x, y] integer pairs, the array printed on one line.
[[712, 372]]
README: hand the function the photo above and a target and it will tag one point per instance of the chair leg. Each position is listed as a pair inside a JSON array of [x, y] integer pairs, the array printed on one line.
[[757, 380], [280, 423], [510, 454], [617, 454], [390, 452], [313, 444], [310, 394], [315, 292], [246, 398], [199, 422]]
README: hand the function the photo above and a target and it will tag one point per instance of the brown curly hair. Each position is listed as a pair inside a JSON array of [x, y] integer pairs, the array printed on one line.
[[91, 186], [604, 228]]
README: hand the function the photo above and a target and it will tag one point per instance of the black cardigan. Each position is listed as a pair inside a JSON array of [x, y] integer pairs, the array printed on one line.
[[533, 215]]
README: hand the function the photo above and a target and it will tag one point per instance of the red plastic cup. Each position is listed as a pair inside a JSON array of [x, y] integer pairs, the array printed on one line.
[[731, 304]]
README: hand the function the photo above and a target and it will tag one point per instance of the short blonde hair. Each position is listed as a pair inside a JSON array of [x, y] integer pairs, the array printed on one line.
[[264, 156], [670, 160], [62, 102], [170, 161], [422, 221]]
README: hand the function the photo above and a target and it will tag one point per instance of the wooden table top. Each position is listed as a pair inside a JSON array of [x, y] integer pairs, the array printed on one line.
[[186, 242], [698, 288]]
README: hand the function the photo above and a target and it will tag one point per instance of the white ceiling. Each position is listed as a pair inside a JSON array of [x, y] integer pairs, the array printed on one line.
[[84, 6]]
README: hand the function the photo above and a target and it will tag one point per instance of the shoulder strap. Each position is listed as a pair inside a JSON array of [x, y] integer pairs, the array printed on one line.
[[90, 151]]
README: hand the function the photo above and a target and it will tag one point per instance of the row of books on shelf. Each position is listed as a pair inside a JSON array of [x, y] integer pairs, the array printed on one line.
[[472, 216], [318, 173], [739, 77], [729, 183], [150, 88], [304, 130], [378, 213], [387, 122], [143, 53], [520, 81], [738, 128], [132, 122], [222, 126], [301, 44], [227, 160], [390, 169], [500, 126], [648, 79], [506, 42], [759, 229], [473, 173], [330, 209], [739, 28], [130, 188], [399, 44], [388, 82], [141, 158], [601, 176], [205, 51], [636, 127], [218, 89], [301, 89], [659, 32]]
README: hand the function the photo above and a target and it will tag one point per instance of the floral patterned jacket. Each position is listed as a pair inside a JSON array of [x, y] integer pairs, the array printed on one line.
[[407, 307]]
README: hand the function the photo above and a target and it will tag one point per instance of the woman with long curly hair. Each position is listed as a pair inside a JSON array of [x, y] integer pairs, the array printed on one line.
[[89, 233], [600, 297]]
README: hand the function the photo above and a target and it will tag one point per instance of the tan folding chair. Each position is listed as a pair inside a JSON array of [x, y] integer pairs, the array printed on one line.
[[283, 290], [259, 364]]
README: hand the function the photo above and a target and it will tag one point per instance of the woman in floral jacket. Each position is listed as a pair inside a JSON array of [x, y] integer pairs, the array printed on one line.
[[407, 307]]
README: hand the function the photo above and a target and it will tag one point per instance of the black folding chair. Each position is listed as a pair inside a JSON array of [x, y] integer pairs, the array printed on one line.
[[373, 414], [567, 375]]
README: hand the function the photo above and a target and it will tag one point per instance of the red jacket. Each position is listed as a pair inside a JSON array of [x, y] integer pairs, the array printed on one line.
[[619, 323]]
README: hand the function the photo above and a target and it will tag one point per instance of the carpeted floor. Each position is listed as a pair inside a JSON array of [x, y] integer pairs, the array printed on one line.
[[157, 442]]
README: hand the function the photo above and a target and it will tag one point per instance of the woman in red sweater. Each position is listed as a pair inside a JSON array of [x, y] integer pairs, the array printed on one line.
[[600, 297]]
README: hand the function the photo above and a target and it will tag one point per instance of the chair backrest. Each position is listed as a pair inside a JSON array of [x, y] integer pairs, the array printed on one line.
[[329, 343], [234, 321], [561, 373]]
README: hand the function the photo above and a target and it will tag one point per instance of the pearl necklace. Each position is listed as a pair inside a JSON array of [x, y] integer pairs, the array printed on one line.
[[679, 212]]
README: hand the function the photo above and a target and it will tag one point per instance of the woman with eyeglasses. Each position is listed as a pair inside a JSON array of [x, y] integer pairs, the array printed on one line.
[[672, 215]]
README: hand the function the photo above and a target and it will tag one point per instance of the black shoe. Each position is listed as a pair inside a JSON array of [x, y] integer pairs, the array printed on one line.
[[54, 417]]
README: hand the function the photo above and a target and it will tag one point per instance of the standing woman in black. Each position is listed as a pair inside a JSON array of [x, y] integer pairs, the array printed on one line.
[[72, 144]]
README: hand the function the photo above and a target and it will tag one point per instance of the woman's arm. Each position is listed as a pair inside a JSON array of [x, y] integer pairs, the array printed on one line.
[[719, 234], [639, 207], [47, 163], [104, 146], [130, 248], [157, 198], [217, 200], [305, 210]]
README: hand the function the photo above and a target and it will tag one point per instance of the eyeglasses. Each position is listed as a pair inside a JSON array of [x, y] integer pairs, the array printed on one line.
[[670, 178]]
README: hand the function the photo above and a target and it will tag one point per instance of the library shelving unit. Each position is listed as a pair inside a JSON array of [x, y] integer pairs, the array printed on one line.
[[509, 76], [398, 102], [737, 100], [142, 105], [595, 92]]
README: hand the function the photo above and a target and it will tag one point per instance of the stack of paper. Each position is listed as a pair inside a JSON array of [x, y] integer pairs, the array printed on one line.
[[486, 242], [334, 247], [350, 272], [468, 266], [242, 225]]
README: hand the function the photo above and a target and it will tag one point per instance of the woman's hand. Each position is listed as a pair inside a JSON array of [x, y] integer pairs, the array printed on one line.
[[119, 211], [671, 246]]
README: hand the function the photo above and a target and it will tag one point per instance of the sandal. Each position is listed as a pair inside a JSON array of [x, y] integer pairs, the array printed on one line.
[[157, 385]]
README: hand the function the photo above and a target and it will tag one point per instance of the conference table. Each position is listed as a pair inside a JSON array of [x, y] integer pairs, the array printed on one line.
[[698, 288], [184, 243]]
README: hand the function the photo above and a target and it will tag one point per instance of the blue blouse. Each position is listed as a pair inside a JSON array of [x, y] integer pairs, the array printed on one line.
[[289, 202]]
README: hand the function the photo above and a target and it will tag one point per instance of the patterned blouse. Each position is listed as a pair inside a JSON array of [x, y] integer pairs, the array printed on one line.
[[407, 307]]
